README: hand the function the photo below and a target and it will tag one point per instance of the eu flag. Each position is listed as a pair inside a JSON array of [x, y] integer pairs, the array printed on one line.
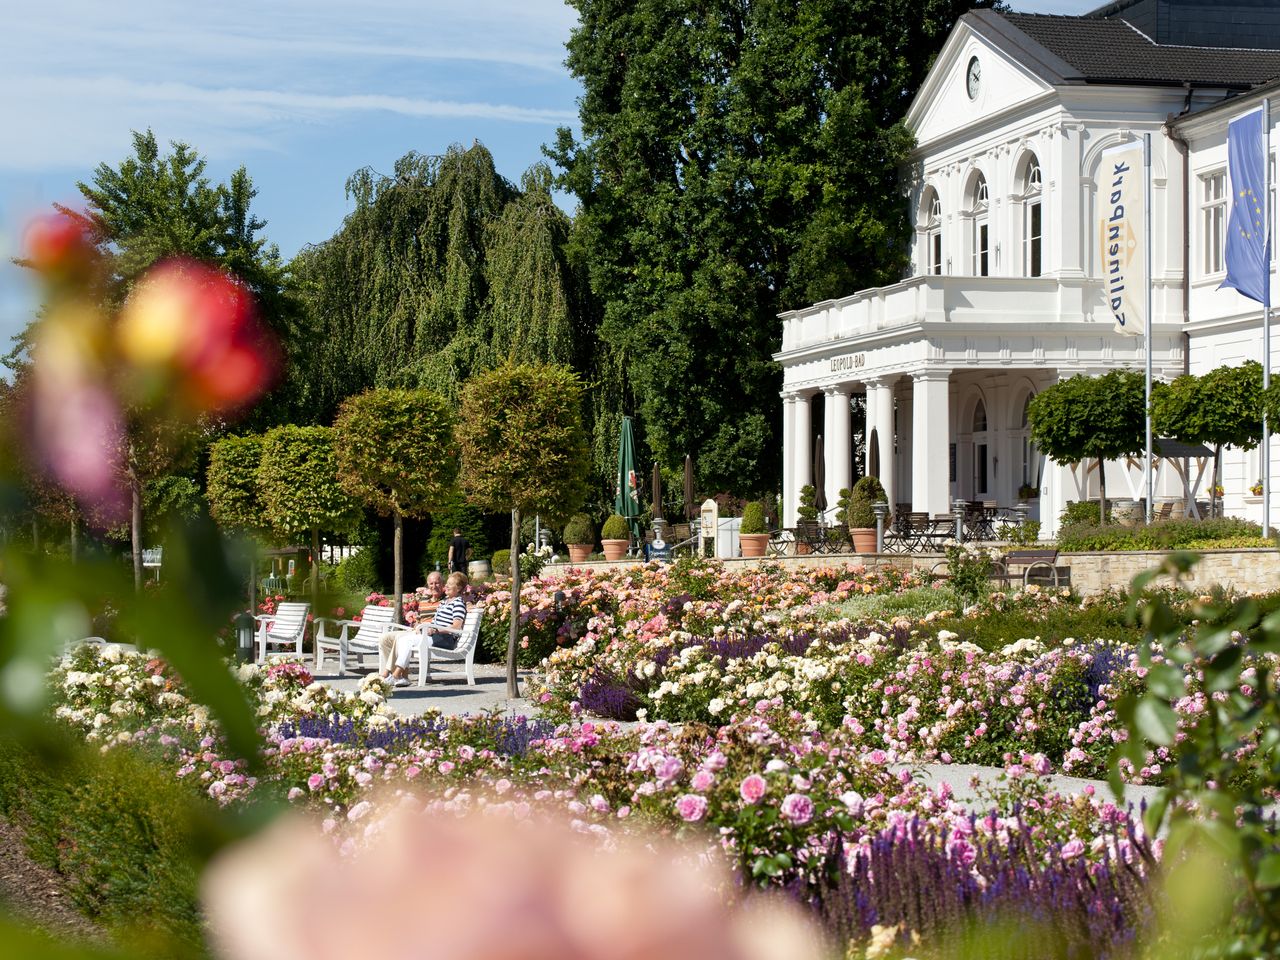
[[1248, 251]]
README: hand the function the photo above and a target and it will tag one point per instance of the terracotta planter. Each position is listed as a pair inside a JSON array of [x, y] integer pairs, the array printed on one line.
[[579, 552], [864, 539], [754, 544], [614, 549]]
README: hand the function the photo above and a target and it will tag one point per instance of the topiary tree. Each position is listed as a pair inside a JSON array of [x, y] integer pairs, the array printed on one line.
[[615, 528], [806, 510], [1222, 408], [1099, 418], [753, 518], [867, 492], [231, 487], [396, 453], [580, 530], [299, 490], [524, 449]]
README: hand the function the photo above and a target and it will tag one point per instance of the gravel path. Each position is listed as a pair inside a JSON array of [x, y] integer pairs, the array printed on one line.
[[37, 894]]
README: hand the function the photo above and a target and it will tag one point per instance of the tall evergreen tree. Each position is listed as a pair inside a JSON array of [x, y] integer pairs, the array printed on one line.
[[737, 159]]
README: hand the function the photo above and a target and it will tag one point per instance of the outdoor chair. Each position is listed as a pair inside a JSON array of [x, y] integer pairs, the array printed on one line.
[[809, 534], [331, 634], [465, 651], [283, 628]]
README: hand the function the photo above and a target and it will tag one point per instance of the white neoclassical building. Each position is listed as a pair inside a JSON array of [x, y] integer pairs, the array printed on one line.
[[1005, 295]]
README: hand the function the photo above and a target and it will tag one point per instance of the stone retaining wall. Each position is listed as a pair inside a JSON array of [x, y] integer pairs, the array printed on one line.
[[1254, 570]]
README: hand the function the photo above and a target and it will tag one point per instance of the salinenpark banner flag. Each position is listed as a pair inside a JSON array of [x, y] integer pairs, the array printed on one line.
[[1122, 219]]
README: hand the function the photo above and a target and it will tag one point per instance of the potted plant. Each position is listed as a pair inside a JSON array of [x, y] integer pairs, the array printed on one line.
[[580, 537], [1028, 492], [806, 516], [754, 533], [1256, 489], [614, 537], [861, 515]]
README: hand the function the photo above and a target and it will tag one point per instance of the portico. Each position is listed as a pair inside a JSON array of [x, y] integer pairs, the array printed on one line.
[[945, 392]]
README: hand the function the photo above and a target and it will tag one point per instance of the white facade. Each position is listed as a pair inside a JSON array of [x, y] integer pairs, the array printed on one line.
[[1006, 295]]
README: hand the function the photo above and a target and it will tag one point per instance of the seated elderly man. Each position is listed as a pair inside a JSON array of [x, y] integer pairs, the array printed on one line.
[[427, 605], [443, 631]]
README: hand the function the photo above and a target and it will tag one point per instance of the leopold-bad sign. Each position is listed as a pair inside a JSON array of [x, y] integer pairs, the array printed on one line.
[[1122, 219]]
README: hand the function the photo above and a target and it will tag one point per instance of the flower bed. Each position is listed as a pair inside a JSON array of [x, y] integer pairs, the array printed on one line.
[[787, 803]]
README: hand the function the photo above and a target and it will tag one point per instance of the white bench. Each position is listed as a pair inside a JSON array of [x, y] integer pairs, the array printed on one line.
[[465, 651], [285, 627], [373, 623]]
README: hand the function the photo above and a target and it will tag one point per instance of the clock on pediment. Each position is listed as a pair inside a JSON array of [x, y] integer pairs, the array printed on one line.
[[973, 78]]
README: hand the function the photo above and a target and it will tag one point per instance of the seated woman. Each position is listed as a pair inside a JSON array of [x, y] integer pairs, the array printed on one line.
[[427, 605], [443, 631]]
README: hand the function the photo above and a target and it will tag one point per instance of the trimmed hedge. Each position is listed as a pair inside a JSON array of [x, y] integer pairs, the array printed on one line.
[[128, 838], [1182, 534]]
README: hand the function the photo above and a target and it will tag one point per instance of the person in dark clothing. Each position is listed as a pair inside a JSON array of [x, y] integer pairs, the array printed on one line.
[[459, 552]]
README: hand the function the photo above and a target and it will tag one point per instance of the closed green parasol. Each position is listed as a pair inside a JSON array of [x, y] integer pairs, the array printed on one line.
[[626, 502]]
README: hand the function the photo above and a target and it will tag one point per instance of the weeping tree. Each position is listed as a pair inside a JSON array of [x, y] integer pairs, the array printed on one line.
[[1222, 408], [524, 449], [442, 270], [298, 486], [395, 452], [1091, 418], [231, 487]]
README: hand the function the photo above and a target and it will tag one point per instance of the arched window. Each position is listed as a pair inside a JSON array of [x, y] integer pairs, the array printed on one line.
[[1030, 181], [978, 201], [1030, 456], [980, 418], [931, 230], [981, 478]]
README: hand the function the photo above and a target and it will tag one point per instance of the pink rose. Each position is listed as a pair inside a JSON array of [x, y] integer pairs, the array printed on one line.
[[753, 787], [702, 780], [797, 808], [315, 781], [1072, 849], [691, 807]]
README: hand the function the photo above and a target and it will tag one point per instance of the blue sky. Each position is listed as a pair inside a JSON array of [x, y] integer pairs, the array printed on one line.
[[303, 92]]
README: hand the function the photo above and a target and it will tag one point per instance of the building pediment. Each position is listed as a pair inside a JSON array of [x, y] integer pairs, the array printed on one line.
[[975, 78]]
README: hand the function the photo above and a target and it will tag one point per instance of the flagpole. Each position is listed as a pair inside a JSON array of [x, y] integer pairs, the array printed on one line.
[[1266, 317], [1147, 472]]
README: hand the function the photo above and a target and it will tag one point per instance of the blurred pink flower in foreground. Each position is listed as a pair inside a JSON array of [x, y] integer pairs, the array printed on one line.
[[485, 888]]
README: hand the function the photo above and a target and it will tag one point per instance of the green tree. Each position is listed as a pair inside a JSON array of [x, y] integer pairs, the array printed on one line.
[[442, 270], [736, 160], [1222, 408], [524, 449], [299, 490], [1091, 418], [231, 487], [396, 453], [154, 206]]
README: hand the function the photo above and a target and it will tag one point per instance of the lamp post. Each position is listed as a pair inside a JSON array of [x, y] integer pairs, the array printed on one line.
[[244, 627], [959, 507], [881, 510]]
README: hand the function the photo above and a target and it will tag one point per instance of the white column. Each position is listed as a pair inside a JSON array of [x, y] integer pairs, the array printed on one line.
[[880, 415], [802, 460], [839, 416], [870, 408], [931, 439], [789, 402]]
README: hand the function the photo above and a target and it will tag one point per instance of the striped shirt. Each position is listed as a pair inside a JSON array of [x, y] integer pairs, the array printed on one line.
[[454, 608]]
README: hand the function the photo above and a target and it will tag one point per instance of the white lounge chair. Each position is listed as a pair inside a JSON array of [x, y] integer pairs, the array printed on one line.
[[337, 634], [285, 627], [465, 650]]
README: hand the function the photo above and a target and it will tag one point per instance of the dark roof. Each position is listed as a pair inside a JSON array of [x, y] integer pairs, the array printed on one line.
[[1111, 51]]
